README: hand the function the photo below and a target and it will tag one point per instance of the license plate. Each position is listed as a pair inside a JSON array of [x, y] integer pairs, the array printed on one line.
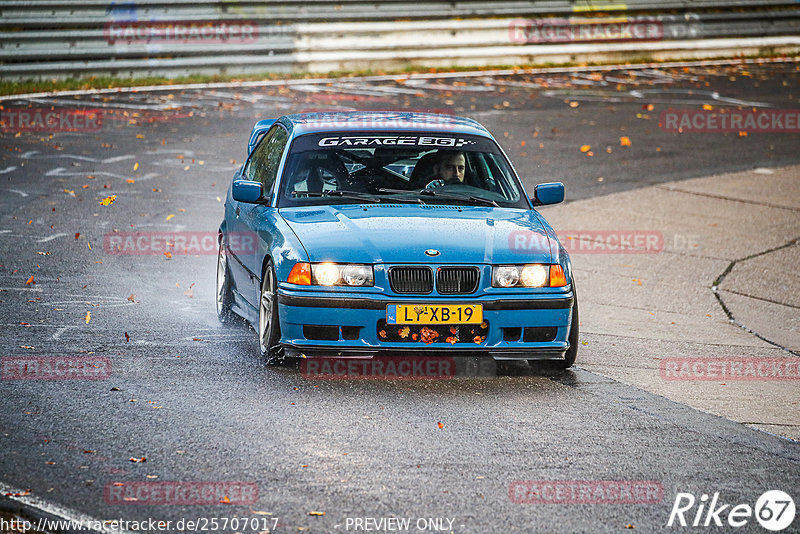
[[434, 314]]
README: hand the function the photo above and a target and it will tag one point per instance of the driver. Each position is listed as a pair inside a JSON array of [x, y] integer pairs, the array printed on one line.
[[449, 168]]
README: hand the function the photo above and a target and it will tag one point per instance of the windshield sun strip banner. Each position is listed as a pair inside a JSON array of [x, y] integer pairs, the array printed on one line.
[[422, 141]]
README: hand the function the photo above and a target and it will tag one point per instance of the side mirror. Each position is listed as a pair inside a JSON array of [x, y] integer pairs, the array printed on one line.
[[549, 193], [246, 191]]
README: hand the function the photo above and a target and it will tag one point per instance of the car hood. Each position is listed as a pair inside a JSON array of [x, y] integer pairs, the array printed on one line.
[[401, 233]]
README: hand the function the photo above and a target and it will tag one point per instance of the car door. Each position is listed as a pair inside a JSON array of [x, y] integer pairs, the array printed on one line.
[[253, 220]]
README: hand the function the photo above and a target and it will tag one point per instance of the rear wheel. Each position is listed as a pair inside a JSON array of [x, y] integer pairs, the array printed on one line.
[[223, 289], [269, 328]]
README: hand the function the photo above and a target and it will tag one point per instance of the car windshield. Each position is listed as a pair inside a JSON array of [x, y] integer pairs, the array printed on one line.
[[346, 168]]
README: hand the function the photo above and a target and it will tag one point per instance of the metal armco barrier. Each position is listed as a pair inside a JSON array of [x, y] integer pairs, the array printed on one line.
[[60, 39]]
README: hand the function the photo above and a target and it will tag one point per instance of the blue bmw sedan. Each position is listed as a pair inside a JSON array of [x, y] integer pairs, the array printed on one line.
[[362, 233]]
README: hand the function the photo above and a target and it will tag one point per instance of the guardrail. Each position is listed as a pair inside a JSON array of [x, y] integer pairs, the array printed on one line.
[[59, 38]]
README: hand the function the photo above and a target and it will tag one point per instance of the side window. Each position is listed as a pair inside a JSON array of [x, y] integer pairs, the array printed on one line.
[[263, 164]]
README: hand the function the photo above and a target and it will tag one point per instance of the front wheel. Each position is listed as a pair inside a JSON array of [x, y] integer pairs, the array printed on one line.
[[269, 328], [572, 352], [223, 288]]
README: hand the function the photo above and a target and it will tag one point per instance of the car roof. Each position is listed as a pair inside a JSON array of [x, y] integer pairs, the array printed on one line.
[[400, 121]]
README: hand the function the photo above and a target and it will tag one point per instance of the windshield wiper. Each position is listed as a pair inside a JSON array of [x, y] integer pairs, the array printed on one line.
[[357, 195], [387, 190], [450, 196]]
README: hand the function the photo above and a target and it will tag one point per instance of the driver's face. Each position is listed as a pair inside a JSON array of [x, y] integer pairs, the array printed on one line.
[[452, 168]]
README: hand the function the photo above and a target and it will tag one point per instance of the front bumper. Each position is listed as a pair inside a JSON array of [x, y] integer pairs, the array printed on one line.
[[352, 323]]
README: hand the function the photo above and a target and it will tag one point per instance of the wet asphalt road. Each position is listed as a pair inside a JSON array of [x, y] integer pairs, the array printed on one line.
[[193, 398]]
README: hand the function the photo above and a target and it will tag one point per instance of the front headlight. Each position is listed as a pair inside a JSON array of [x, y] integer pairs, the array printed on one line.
[[533, 276], [530, 275], [505, 276], [336, 274]]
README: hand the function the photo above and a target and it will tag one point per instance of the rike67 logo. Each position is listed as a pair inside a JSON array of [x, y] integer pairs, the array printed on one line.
[[774, 510]]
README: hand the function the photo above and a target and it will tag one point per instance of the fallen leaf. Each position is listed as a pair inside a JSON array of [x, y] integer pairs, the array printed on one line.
[[131, 297], [108, 200], [131, 181], [586, 148], [30, 281], [316, 513], [168, 255], [225, 500], [127, 337], [136, 166], [77, 235], [70, 192], [139, 460], [171, 215], [708, 107], [440, 424], [88, 317], [624, 141]]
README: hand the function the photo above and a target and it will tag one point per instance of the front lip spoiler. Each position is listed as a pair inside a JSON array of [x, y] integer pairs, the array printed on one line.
[[533, 353], [361, 303]]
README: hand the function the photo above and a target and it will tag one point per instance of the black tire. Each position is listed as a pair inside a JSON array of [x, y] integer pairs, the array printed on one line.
[[269, 328], [224, 299], [572, 352]]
